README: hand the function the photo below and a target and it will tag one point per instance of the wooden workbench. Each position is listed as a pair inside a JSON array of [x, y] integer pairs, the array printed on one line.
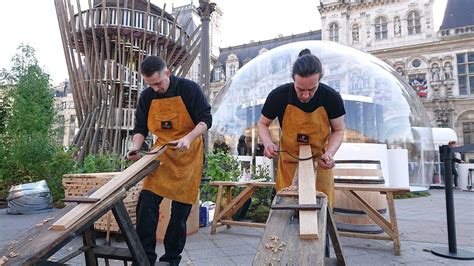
[[224, 216], [390, 227]]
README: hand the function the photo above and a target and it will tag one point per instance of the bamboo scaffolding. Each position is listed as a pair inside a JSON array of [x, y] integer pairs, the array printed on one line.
[[104, 46]]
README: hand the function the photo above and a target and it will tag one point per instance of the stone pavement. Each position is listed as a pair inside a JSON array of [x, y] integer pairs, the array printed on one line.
[[422, 224]]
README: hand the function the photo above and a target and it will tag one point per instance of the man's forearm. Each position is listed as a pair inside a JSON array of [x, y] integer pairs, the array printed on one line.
[[137, 141], [335, 140], [198, 130], [264, 133]]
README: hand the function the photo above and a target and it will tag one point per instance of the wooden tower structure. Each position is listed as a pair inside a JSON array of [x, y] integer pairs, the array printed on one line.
[[104, 45]]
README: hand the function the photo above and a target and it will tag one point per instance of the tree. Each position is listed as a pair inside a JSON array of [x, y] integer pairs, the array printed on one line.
[[26, 144]]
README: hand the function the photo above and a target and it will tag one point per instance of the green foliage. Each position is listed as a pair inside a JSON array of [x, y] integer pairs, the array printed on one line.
[[262, 196], [21, 62], [410, 195], [260, 214], [221, 166], [99, 163]]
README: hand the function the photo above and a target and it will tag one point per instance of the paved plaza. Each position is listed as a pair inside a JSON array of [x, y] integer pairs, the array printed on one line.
[[422, 225]]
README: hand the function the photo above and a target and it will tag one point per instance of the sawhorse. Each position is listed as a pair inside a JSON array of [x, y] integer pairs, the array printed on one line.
[[38, 244], [295, 233]]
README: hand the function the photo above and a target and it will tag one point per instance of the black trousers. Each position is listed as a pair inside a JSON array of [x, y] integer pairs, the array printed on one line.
[[147, 221]]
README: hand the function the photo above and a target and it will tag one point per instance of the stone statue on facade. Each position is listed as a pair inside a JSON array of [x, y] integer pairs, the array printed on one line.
[[448, 71], [397, 27], [435, 71]]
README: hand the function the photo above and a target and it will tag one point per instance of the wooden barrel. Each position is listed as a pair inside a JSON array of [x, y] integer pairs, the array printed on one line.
[[164, 217], [348, 216]]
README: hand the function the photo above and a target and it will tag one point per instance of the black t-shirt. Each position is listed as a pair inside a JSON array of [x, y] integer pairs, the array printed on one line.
[[191, 94], [325, 96]]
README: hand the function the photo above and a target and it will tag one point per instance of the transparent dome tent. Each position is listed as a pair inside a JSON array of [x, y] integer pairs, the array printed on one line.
[[380, 106]]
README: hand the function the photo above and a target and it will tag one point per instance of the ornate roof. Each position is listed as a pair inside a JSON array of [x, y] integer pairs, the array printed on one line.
[[248, 51], [458, 13]]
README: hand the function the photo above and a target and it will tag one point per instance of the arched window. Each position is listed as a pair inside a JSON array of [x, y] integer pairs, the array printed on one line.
[[333, 32], [381, 31], [414, 22], [355, 33]]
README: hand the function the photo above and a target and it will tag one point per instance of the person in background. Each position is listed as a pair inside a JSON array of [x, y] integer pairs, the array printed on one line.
[[455, 159]]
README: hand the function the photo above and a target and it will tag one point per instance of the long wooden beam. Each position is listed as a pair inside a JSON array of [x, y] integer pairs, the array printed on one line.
[[106, 190], [307, 195]]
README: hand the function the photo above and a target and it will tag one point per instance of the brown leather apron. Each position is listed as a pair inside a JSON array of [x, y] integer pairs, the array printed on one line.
[[179, 176], [316, 128]]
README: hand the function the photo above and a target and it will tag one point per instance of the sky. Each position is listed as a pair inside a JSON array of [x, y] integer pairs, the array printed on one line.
[[242, 21]]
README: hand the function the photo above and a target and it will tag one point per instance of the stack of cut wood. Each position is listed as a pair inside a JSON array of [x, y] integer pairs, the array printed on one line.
[[77, 185]]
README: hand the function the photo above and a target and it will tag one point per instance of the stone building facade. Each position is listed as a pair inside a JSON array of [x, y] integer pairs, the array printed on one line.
[[437, 63]]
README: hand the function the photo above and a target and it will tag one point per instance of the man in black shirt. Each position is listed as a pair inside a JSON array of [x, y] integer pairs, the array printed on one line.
[[309, 112], [176, 111]]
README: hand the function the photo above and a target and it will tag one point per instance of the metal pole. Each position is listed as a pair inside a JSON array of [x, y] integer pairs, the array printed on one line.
[[448, 166], [452, 251]]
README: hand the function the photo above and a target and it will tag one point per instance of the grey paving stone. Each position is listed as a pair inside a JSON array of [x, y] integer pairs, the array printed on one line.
[[229, 242], [239, 250], [205, 254], [243, 260], [221, 261], [369, 260], [200, 245]]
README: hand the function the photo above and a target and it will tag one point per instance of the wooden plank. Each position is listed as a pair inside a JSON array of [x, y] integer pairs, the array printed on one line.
[[80, 200], [366, 236], [394, 223], [217, 209], [306, 194], [370, 187], [230, 222], [296, 252], [236, 203], [307, 207], [245, 183], [117, 182], [357, 172], [332, 231], [370, 211]]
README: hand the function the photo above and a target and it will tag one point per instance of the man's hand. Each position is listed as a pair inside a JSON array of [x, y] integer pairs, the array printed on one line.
[[133, 155], [270, 150], [182, 144], [328, 161]]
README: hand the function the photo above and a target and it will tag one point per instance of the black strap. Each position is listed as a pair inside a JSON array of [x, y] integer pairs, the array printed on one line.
[[301, 159]]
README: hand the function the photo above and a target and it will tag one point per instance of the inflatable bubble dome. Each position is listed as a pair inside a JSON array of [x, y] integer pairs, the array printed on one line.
[[381, 107]]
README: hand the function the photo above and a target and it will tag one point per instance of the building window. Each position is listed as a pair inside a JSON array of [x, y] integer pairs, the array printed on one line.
[[468, 132], [355, 33], [381, 31], [217, 74], [465, 66], [333, 32], [231, 70], [414, 23]]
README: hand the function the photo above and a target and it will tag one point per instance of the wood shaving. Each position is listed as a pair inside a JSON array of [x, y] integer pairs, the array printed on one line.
[[3, 260], [290, 188], [275, 246], [274, 238], [12, 254]]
